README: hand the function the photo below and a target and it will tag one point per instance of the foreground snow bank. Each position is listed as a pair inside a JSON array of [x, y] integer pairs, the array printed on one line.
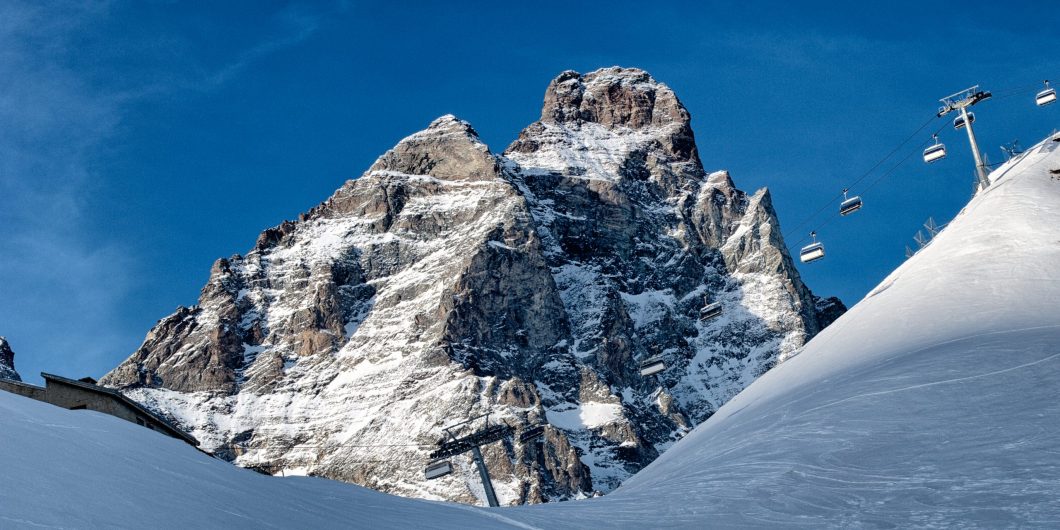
[[82, 469]]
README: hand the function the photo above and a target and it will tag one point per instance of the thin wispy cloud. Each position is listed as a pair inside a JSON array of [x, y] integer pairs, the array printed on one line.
[[62, 285], [295, 26], [52, 121]]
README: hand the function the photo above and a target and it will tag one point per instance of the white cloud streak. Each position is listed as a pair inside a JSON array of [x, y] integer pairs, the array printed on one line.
[[58, 292], [62, 287]]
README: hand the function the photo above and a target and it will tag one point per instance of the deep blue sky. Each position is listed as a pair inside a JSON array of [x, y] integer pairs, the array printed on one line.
[[141, 141]]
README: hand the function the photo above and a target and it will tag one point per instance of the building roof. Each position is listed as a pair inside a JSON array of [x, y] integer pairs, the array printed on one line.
[[124, 399]]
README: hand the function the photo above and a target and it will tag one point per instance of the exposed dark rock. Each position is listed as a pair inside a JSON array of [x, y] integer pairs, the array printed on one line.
[[7, 361], [828, 310]]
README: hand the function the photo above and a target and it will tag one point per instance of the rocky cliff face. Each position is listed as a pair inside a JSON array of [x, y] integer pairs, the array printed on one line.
[[449, 281], [7, 361]]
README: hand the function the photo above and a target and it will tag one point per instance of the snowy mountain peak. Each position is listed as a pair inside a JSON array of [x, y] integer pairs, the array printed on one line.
[[720, 178], [7, 361], [611, 124], [448, 125], [450, 120], [448, 281], [448, 149]]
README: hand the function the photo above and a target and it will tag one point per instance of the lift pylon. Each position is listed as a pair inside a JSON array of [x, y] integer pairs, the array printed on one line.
[[960, 102], [453, 445]]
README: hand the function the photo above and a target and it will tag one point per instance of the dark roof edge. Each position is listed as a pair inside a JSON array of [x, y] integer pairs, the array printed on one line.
[[20, 383], [125, 399]]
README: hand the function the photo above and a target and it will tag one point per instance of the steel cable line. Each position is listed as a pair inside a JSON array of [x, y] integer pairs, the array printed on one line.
[[1004, 93], [911, 153], [325, 446], [1008, 92], [880, 178], [859, 179]]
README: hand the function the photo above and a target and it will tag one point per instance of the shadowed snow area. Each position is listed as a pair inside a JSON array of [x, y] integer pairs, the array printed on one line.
[[933, 402]]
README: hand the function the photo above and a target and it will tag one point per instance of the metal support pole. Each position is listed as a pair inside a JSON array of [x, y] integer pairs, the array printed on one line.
[[487, 484], [980, 166]]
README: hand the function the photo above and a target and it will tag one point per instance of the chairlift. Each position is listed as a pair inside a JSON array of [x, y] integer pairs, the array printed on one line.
[[438, 468], [710, 311], [533, 434], [812, 252], [935, 152], [958, 122], [1046, 96], [849, 206], [652, 366]]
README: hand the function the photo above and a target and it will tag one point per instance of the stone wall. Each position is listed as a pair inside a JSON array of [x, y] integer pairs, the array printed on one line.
[[22, 389]]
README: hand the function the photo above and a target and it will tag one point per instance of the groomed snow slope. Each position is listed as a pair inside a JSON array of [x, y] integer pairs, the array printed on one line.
[[935, 401]]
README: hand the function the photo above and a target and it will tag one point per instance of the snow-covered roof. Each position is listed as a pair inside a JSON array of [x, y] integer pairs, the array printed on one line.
[[91, 387]]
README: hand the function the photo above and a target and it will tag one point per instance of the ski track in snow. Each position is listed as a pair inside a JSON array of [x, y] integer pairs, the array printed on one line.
[[947, 381]]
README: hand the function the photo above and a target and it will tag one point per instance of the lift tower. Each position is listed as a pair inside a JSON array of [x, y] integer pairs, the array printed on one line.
[[960, 102], [453, 445]]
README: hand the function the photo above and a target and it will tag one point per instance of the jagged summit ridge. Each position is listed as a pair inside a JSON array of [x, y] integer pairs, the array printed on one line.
[[448, 281], [614, 122], [7, 361], [613, 97]]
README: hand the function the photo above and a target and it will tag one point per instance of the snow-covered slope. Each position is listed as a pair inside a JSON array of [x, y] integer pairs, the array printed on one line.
[[935, 401], [83, 469]]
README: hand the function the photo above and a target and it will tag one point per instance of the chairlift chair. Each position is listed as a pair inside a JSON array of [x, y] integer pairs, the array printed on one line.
[[958, 122], [533, 434], [652, 366], [438, 468], [710, 311], [849, 206], [935, 152], [1046, 96], [812, 252]]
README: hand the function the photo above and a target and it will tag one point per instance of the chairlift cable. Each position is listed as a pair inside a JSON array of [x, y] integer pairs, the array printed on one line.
[[1000, 94], [896, 166], [859, 179], [871, 185], [320, 446], [1016, 91], [345, 462], [1021, 89]]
